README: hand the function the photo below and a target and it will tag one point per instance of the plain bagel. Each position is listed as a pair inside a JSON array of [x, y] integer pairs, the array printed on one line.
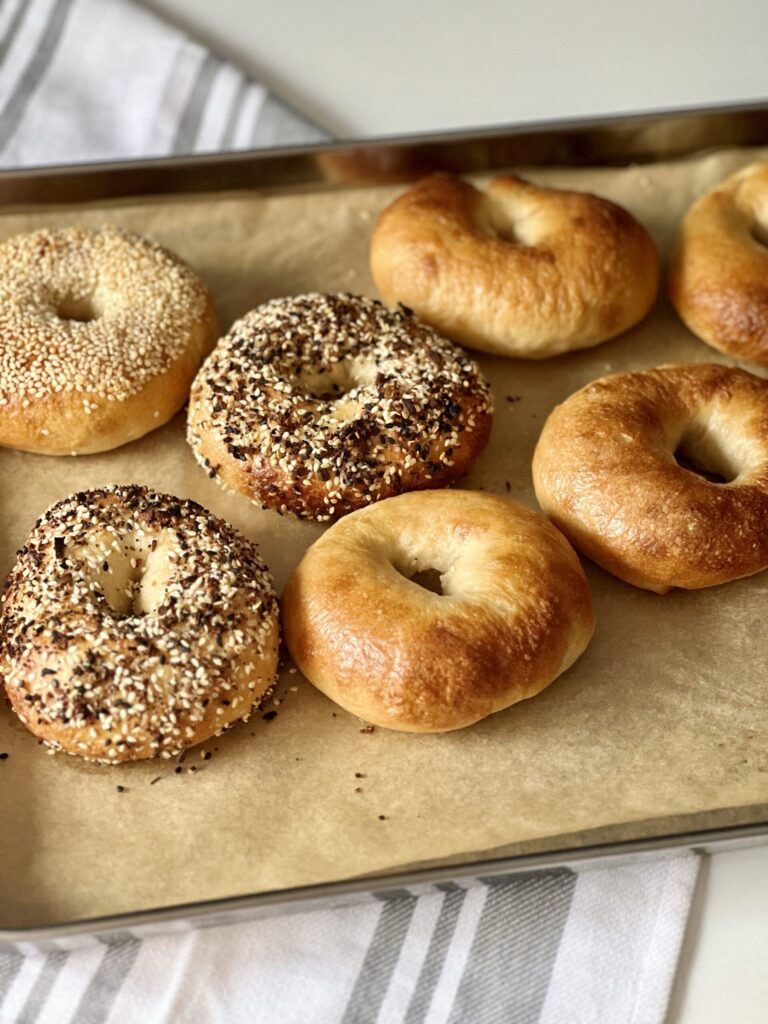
[[718, 279], [661, 477], [515, 610], [517, 270]]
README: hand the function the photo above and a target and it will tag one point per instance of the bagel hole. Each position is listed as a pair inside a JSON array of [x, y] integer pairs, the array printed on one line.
[[134, 579], [122, 584], [81, 310], [334, 383], [700, 454], [496, 224], [505, 218], [501, 233], [760, 232], [685, 462], [428, 579], [329, 384]]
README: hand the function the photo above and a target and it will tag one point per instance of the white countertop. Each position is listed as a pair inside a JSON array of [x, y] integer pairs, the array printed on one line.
[[359, 69], [415, 65], [722, 976]]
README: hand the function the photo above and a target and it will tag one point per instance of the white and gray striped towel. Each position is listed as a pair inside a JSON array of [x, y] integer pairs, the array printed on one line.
[[598, 946], [103, 79]]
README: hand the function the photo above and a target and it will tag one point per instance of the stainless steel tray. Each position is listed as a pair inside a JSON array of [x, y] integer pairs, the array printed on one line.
[[251, 907], [614, 141]]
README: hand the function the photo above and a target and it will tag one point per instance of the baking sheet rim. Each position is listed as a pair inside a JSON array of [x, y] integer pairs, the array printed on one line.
[[283, 898]]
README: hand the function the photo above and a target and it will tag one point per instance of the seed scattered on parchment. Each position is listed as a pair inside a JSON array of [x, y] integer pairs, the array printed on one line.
[[367, 730]]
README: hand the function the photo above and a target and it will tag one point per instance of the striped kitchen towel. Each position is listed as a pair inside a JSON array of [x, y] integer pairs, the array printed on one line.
[[594, 946], [105, 80]]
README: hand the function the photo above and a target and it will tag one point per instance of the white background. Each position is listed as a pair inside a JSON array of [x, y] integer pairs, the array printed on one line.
[[411, 65], [358, 68]]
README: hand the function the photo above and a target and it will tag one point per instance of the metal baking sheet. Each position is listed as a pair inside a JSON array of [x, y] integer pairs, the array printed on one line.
[[611, 142]]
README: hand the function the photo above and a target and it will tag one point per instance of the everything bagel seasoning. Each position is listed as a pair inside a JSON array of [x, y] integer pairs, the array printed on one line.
[[135, 624], [319, 404]]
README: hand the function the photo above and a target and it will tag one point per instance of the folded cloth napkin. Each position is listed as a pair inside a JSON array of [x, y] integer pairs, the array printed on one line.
[[593, 946], [104, 79]]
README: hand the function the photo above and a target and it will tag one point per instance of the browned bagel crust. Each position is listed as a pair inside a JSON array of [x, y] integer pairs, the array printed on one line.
[[317, 405], [718, 276], [101, 334], [135, 625], [605, 472], [515, 613], [518, 270]]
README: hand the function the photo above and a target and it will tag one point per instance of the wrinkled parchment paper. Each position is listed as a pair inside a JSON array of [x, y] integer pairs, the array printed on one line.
[[666, 715]]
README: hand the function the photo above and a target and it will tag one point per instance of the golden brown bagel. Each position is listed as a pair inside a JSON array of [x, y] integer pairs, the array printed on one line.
[[718, 277], [135, 625], [515, 611], [101, 334], [605, 472], [518, 270], [317, 405]]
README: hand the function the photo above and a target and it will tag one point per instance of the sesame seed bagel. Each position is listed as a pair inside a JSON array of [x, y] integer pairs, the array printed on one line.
[[518, 270], [135, 625], [101, 334], [661, 477], [320, 404], [515, 610], [718, 277]]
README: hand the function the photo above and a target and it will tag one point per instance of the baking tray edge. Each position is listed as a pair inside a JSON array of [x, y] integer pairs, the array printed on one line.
[[610, 140]]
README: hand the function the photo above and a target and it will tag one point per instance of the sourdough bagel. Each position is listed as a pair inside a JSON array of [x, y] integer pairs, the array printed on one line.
[[134, 625], [514, 613], [718, 276], [517, 270], [661, 477], [101, 334]]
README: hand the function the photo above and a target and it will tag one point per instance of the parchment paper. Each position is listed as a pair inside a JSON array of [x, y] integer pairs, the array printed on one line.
[[665, 715]]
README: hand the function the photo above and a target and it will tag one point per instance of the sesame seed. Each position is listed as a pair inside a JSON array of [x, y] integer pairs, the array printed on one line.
[[79, 305]]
